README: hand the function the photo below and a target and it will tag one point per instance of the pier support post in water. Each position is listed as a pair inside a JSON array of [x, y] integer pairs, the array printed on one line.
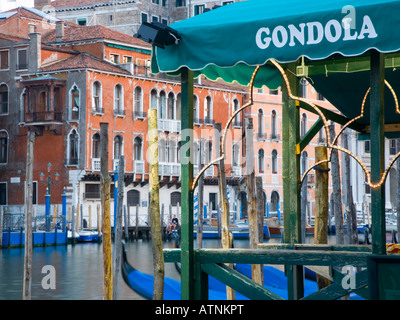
[[106, 216], [321, 205], [26, 292], [158, 255]]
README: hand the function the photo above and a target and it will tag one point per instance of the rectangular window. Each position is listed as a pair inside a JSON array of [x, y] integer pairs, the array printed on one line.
[[154, 19], [367, 146], [180, 3], [224, 3], [145, 17], [92, 191], [199, 9], [22, 60], [4, 60], [81, 22], [164, 3], [126, 59], [155, 1], [164, 21], [3, 193], [114, 58], [392, 146]]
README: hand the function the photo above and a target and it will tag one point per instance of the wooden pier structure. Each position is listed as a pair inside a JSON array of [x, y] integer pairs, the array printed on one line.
[[351, 62]]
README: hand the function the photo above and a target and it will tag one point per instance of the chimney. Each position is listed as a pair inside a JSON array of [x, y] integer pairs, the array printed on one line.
[[35, 49], [59, 31], [39, 4]]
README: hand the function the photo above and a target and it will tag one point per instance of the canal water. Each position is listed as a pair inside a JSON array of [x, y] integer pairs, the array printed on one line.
[[79, 269]]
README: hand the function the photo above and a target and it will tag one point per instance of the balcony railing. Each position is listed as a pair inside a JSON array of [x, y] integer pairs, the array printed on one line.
[[261, 136], [236, 171], [43, 116], [169, 169], [169, 125], [275, 136], [209, 172]]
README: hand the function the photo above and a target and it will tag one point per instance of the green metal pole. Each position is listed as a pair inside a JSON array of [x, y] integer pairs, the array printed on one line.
[[291, 178], [377, 119], [187, 253]]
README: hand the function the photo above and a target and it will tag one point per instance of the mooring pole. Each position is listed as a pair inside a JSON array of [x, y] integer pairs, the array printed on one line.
[[158, 255], [105, 181], [26, 292]]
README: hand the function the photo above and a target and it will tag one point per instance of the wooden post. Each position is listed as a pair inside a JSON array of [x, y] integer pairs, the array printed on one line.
[[90, 217], [77, 217], [125, 224], [252, 207], [73, 224], [118, 226], [158, 255], [2, 209], [260, 217], [291, 177], [200, 198], [187, 252], [137, 222], [27, 283], [321, 205], [336, 190], [377, 121], [105, 181], [98, 222], [162, 220]]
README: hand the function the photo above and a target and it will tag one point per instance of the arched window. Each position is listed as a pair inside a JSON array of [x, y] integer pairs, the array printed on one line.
[[196, 153], [196, 111], [303, 125], [274, 201], [235, 108], [178, 106], [138, 100], [175, 198], [97, 97], [171, 107], [73, 148], [260, 118], [172, 151], [3, 99], [208, 110], [133, 198], [153, 99], [304, 162], [3, 147], [161, 150], [261, 160], [208, 152], [118, 100], [162, 110], [96, 146], [117, 147], [75, 102], [274, 131], [274, 163], [137, 148], [235, 155]]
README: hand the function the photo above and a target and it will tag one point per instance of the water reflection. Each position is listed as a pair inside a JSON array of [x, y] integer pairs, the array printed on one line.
[[79, 270]]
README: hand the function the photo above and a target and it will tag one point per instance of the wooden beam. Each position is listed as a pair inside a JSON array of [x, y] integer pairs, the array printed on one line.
[[306, 139], [291, 177], [239, 282], [377, 120], [187, 255], [106, 216]]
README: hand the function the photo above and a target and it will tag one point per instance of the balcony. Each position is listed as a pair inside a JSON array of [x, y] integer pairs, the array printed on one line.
[[43, 116], [261, 136], [169, 125], [209, 172], [275, 137]]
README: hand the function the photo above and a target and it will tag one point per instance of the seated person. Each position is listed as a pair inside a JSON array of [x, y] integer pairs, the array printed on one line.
[[175, 223], [169, 226]]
